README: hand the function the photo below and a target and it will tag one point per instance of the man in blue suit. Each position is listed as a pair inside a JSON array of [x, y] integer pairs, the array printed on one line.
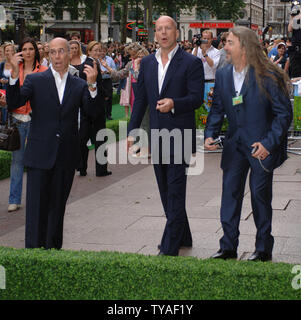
[[52, 152], [253, 94], [171, 84]]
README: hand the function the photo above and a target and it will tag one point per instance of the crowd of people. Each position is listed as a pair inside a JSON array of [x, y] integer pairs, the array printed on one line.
[[161, 85]]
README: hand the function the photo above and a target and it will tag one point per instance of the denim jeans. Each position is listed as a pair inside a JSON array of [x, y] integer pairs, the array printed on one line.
[[17, 166]]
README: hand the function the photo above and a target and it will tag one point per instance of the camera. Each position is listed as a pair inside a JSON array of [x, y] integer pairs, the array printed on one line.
[[217, 141], [199, 39]]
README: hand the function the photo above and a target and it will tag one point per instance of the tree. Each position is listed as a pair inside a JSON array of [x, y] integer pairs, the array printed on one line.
[[226, 9], [124, 19]]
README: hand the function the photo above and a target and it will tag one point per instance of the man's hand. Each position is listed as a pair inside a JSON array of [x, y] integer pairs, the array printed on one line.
[[165, 105], [3, 81], [261, 151], [15, 60], [104, 63], [209, 147], [91, 73], [204, 49]]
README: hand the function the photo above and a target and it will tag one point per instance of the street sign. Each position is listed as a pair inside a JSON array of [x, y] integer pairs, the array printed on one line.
[[2, 17]]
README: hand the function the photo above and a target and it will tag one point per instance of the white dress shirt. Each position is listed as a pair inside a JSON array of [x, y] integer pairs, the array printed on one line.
[[163, 70], [239, 78], [213, 54], [60, 83]]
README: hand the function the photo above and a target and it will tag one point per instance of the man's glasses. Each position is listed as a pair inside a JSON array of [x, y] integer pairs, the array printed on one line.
[[60, 51]]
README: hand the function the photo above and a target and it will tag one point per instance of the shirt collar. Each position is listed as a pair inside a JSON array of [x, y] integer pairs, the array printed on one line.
[[57, 75], [170, 54], [242, 73]]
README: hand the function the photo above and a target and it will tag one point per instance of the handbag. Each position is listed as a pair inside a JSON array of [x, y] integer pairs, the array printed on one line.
[[9, 136]]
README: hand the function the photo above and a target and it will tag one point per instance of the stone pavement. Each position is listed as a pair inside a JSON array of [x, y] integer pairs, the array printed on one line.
[[123, 212]]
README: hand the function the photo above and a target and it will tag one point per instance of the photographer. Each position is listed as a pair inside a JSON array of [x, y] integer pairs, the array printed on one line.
[[294, 28], [208, 54]]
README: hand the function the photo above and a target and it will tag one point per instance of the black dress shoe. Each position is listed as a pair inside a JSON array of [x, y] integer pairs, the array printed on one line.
[[104, 174], [82, 173], [161, 253], [224, 254], [109, 118], [260, 256]]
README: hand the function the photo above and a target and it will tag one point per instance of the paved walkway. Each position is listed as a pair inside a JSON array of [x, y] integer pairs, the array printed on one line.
[[123, 212]]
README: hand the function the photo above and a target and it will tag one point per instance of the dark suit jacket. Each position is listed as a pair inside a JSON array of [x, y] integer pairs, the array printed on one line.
[[54, 127], [257, 119], [184, 83]]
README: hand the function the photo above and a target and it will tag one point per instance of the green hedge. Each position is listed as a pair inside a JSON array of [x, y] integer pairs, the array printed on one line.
[[5, 160], [51, 274]]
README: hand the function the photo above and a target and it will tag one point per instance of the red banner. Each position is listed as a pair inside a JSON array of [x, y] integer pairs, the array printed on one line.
[[212, 25]]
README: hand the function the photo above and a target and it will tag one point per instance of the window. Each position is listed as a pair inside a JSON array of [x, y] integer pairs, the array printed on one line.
[[279, 13], [202, 14]]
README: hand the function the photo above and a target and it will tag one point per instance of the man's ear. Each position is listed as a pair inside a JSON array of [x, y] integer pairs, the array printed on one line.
[[178, 33]]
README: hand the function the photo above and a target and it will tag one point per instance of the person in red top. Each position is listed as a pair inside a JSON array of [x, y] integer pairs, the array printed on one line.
[[21, 116]]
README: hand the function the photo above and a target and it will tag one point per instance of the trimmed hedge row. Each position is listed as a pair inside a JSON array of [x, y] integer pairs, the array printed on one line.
[[5, 160], [51, 274]]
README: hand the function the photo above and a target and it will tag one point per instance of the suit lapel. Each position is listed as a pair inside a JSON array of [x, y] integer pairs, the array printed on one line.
[[155, 76], [68, 89], [172, 68], [249, 79], [52, 86], [231, 81]]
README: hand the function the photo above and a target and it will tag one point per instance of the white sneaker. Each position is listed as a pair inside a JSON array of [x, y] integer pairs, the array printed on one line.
[[13, 207]]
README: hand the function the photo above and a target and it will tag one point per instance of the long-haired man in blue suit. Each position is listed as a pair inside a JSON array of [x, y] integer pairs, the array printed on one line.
[[171, 84], [254, 95]]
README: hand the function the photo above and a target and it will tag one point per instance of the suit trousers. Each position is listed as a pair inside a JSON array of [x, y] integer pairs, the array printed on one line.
[[260, 182], [88, 130], [47, 194], [108, 89], [172, 179]]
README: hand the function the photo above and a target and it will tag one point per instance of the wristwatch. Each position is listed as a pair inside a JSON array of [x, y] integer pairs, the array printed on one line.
[[206, 55], [92, 85]]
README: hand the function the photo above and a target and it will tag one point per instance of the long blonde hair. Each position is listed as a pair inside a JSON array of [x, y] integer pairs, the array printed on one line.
[[263, 67]]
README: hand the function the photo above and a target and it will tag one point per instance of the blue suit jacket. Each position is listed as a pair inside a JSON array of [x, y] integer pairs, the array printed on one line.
[[257, 119], [184, 83], [54, 127]]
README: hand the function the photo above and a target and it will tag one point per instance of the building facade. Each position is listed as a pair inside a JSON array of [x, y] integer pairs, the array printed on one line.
[[256, 14], [278, 16]]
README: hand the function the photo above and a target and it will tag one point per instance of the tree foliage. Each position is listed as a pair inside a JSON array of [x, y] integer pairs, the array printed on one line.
[[223, 9]]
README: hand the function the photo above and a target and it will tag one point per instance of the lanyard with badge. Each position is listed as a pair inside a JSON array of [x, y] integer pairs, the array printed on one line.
[[237, 100]]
